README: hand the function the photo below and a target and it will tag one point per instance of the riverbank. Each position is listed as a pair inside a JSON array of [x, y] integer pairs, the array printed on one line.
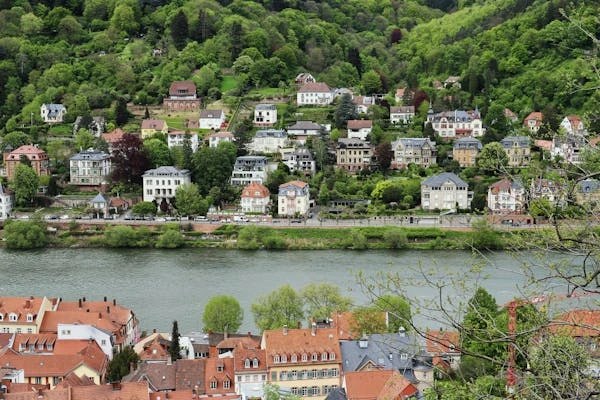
[[253, 237]]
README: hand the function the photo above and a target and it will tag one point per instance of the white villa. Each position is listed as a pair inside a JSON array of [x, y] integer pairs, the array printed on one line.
[[293, 198], [160, 184], [445, 191]]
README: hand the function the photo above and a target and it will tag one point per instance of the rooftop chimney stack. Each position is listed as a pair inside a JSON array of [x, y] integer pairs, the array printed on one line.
[[313, 329], [285, 329]]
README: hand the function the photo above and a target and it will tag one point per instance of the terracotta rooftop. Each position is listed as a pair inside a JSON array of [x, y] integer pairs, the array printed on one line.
[[182, 88], [314, 87], [296, 183], [578, 323], [377, 385], [114, 136], [21, 306], [360, 124], [28, 149], [255, 190], [158, 124], [111, 309], [242, 353], [441, 342], [301, 341], [190, 375], [160, 376]]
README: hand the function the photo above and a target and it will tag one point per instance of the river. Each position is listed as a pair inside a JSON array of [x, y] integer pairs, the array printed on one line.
[[162, 286]]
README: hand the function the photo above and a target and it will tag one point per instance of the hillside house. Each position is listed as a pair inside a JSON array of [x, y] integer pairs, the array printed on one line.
[[293, 199], [465, 151], [418, 151], [314, 94], [445, 191], [6, 202], [533, 121], [182, 97], [211, 119], [518, 150], [265, 115], [268, 141], [359, 128], [573, 125], [299, 159], [160, 184], [177, 138], [38, 159], [215, 138], [506, 197], [457, 123], [89, 169], [401, 115], [152, 126], [248, 169], [353, 154], [53, 113], [255, 198], [302, 130]]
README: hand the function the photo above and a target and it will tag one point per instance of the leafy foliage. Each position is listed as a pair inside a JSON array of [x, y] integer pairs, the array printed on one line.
[[25, 234], [222, 314], [119, 366], [280, 307], [25, 183]]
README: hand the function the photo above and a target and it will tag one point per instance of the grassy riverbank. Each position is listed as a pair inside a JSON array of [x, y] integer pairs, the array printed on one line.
[[261, 237]]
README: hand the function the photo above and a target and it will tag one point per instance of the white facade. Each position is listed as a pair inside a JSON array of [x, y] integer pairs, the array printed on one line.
[[265, 115], [452, 124], [445, 191], [248, 169], [53, 113], [218, 137], [255, 198], [211, 119], [268, 141], [315, 93], [401, 114], [293, 198], [506, 197], [162, 183], [6, 203], [89, 168], [176, 138], [87, 332]]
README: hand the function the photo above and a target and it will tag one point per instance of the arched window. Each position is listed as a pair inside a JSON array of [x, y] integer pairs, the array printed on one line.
[[323, 356], [315, 356], [294, 358], [284, 358], [247, 363], [304, 357], [255, 363], [276, 359], [332, 356]]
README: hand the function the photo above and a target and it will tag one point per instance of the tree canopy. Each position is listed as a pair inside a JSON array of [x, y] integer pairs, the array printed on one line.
[[222, 314]]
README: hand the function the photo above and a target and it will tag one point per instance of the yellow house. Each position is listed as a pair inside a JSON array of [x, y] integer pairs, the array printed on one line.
[[23, 314], [305, 361], [152, 126], [465, 151]]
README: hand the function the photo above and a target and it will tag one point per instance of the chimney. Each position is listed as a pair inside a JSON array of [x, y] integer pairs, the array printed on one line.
[[84, 299], [80, 304], [100, 315], [249, 334], [108, 309], [313, 329], [116, 386], [105, 299], [31, 297], [88, 310], [27, 303], [114, 302], [285, 329]]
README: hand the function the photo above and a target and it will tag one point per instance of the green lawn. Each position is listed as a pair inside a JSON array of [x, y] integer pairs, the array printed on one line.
[[228, 83]]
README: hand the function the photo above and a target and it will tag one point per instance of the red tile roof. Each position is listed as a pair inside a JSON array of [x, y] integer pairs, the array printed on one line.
[[242, 353], [212, 373], [346, 325], [97, 319], [29, 150], [578, 323], [535, 116], [114, 136], [190, 375], [179, 88], [301, 341], [157, 124], [442, 342], [360, 124], [255, 190], [314, 87], [377, 385], [296, 183], [125, 391], [36, 339], [20, 306], [110, 309]]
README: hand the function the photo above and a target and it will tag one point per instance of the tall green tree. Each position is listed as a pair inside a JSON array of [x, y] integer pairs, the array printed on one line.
[[492, 158], [179, 29], [25, 234], [121, 363], [322, 299], [371, 82], [398, 309], [344, 111], [213, 167], [158, 152], [188, 200], [175, 349], [24, 184], [278, 308], [222, 314]]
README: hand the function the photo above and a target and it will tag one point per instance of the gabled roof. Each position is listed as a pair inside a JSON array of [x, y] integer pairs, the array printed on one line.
[[534, 116], [440, 179], [305, 125], [100, 199], [360, 124], [28, 149], [295, 183], [377, 385], [241, 353], [211, 114], [265, 106], [179, 88], [301, 341], [114, 136], [255, 190], [157, 124], [442, 342], [160, 376], [189, 375], [221, 135], [505, 184], [212, 373], [520, 141], [315, 87], [467, 143], [21, 306], [402, 109]]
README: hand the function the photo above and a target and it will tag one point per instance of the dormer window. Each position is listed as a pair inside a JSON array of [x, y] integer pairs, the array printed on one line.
[[29, 318], [220, 368], [247, 363], [1, 317], [294, 358], [276, 359], [255, 363], [332, 356], [12, 317], [324, 357], [283, 358], [315, 356], [304, 357]]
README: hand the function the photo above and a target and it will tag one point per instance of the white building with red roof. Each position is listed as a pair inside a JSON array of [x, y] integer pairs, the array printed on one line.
[[359, 128], [255, 198], [573, 125], [23, 314], [314, 94], [506, 196], [533, 121]]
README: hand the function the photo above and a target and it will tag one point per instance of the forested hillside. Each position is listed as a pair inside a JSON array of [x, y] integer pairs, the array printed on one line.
[[521, 54]]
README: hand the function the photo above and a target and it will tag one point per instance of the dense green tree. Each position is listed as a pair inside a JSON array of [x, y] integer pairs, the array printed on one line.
[[121, 236], [84, 139], [188, 200], [398, 309], [170, 239], [158, 152], [322, 299], [121, 363], [174, 348], [492, 158], [222, 314], [344, 111], [24, 184], [144, 208], [24, 234], [122, 114], [15, 139], [179, 29], [213, 167], [278, 308], [371, 82]]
